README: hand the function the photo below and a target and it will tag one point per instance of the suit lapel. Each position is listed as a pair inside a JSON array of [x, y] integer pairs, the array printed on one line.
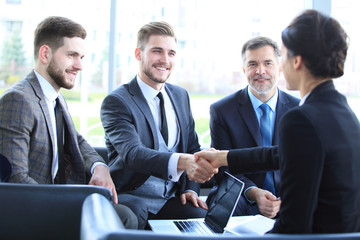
[[247, 113], [34, 82], [141, 102], [179, 114]]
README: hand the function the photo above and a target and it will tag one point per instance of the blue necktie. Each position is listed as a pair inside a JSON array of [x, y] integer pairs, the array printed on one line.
[[265, 129]]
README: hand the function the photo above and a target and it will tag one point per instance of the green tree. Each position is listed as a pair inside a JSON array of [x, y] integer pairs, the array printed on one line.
[[13, 61]]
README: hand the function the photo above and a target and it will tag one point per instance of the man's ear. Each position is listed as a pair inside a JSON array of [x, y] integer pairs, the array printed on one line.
[[138, 54], [45, 54]]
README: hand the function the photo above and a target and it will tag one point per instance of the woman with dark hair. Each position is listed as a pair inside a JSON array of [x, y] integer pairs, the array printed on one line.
[[319, 141]]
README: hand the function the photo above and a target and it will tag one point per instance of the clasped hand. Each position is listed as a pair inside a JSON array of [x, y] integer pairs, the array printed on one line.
[[202, 166]]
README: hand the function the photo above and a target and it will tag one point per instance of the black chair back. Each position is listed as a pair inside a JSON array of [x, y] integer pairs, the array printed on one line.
[[5, 169], [43, 211]]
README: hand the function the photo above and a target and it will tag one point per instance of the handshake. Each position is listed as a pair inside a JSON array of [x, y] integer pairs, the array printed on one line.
[[202, 166]]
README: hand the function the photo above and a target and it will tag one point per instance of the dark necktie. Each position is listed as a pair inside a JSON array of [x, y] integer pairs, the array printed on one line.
[[164, 128], [265, 129], [59, 133]]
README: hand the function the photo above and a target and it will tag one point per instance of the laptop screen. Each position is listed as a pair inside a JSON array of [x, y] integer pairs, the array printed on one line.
[[223, 203]]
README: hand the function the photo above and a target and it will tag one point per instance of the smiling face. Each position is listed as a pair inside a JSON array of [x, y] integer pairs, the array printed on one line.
[[157, 60], [262, 70], [65, 63]]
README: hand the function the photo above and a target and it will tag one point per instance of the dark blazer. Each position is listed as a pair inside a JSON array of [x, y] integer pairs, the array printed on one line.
[[131, 138], [27, 138], [234, 125], [319, 160]]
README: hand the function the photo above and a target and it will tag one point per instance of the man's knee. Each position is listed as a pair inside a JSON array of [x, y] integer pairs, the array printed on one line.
[[127, 216], [138, 207]]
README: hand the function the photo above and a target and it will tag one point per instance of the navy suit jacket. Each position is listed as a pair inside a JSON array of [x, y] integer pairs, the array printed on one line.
[[131, 137], [234, 125], [319, 160]]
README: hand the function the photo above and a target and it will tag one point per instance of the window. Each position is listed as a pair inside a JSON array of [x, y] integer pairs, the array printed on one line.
[[13, 1], [210, 36]]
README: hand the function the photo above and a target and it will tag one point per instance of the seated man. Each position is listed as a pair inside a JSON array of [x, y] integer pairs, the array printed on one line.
[[37, 134], [238, 121], [149, 131]]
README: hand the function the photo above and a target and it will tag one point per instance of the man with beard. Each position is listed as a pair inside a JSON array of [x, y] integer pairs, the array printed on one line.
[[150, 136], [239, 121], [37, 134]]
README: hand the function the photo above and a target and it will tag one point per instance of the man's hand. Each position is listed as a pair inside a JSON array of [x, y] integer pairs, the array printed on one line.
[[199, 171], [214, 157], [101, 177], [267, 203], [193, 197]]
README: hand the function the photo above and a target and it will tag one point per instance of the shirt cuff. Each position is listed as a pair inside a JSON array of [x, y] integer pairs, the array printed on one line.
[[251, 202], [174, 174], [189, 190], [96, 164]]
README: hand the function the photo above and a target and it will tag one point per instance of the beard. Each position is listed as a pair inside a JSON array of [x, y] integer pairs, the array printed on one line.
[[151, 76], [58, 76], [265, 90]]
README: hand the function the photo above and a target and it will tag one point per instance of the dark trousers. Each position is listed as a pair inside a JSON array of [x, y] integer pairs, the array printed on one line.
[[244, 208], [173, 209]]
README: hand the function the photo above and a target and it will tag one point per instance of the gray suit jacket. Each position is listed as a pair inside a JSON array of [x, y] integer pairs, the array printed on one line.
[[131, 136], [27, 138]]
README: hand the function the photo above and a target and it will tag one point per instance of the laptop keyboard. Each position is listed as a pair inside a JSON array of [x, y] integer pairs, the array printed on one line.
[[191, 227]]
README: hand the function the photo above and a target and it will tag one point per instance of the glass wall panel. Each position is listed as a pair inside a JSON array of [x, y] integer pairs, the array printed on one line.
[[345, 11], [210, 36]]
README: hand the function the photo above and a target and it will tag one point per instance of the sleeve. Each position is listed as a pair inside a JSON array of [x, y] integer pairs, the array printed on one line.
[[129, 139], [253, 160], [89, 155], [301, 164], [16, 124]]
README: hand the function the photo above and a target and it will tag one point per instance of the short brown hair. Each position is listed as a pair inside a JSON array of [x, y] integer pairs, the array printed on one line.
[[153, 28], [52, 30]]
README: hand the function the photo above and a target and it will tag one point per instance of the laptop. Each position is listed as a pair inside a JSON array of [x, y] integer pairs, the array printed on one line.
[[220, 210]]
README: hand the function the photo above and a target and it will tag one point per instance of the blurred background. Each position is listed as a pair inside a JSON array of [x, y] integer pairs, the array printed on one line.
[[210, 35]]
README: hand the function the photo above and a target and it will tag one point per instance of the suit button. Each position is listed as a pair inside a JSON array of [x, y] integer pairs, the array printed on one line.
[[170, 177]]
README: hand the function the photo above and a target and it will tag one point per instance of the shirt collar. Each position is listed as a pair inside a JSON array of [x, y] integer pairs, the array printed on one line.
[[148, 92], [256, 102], [302, 101], [46, 87]]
